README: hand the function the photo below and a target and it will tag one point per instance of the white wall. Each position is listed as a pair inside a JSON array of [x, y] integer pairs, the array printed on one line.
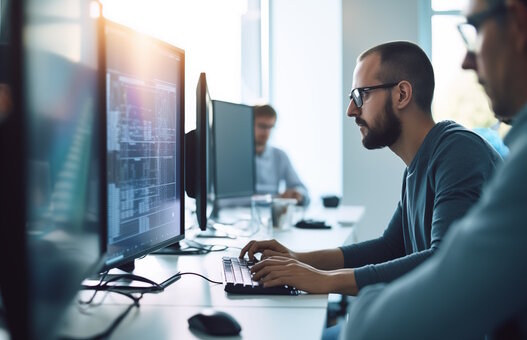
[[306, 88], [372, 178]]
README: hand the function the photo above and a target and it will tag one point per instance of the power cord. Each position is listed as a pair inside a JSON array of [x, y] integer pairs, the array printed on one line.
[[202, 276], [108, 331], [104, 286]]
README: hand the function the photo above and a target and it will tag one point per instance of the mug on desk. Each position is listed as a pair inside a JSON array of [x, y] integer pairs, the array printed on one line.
[[282, 212]]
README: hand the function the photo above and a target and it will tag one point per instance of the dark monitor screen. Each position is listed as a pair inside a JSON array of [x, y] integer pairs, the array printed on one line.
[[145, 133], [233, 150], [52, 194]]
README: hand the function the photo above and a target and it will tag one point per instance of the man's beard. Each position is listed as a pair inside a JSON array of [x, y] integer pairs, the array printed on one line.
[[388, 131]]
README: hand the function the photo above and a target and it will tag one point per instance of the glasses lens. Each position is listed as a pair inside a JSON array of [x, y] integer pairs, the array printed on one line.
[[469, 35], [355, 95]]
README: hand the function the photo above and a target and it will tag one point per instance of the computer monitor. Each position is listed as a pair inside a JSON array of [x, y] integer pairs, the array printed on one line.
[[199, 151], [234, 171], [145, 144], [52, 196], [220, 157]]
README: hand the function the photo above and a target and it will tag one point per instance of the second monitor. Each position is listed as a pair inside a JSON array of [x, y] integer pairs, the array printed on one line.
[[234, 174]]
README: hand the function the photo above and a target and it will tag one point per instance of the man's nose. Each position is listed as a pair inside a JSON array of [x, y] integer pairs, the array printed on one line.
[[353, 110]]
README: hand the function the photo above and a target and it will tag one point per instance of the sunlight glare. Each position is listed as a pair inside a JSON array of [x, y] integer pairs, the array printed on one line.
[[208, 30]]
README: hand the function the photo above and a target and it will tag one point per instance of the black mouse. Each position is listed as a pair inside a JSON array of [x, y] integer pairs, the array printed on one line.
[[214, 323]]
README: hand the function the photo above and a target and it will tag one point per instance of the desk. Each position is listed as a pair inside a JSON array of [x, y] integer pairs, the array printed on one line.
[[164, 315]]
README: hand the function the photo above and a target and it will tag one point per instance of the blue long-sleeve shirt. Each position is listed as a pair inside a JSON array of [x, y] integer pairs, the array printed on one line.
[[476, 283], [443, 181], [273, 166]]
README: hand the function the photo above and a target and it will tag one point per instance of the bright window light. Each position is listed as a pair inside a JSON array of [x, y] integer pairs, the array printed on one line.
[[458, 95], [208, 30]]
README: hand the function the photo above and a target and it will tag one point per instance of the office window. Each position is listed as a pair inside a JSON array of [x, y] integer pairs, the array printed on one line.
[[215, 36], [458, 95]]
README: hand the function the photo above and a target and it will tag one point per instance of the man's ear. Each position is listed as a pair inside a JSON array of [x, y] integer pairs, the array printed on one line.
[[403, 95]]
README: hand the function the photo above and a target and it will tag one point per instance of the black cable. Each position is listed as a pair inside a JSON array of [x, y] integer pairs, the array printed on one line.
[[105, 286], [108, 331], [131, 277], [202, 276], [90, 300]]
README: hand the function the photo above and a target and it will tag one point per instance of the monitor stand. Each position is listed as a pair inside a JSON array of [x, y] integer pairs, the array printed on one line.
[[216, 230], [175, 249]]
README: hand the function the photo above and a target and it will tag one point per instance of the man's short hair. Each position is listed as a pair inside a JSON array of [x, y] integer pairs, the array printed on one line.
[[403, 60], [264, 111]]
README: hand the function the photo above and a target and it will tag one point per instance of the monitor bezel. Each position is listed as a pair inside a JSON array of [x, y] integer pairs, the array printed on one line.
[[14, 247]]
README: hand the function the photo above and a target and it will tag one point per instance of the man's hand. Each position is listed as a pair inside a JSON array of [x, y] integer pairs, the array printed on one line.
[[279, 270], [292, 193], [267, 249]]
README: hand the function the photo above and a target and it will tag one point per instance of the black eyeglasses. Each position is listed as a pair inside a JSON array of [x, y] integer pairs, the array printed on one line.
[[469, 29], [356, 94]]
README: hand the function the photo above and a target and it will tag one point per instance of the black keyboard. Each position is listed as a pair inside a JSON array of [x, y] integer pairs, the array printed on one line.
[[237, 277]]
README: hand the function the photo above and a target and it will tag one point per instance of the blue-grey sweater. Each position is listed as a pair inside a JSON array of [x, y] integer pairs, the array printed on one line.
[[443, 181]]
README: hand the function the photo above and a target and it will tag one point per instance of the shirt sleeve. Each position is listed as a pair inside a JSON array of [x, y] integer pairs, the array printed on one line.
[[387, 247], [457, 174], [292, 181], [473, 285]]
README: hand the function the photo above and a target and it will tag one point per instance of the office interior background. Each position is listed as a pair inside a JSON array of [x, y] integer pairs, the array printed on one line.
[[299, 56]]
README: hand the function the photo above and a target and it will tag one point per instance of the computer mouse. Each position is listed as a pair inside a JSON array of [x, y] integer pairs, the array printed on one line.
[[214, 322]]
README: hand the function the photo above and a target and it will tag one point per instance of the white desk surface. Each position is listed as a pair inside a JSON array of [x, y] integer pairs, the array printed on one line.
[[164, 315], [170, 322]]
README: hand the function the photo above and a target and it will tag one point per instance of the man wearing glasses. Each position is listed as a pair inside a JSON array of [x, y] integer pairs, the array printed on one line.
[[476, 284], [447, 167], [272, 164]]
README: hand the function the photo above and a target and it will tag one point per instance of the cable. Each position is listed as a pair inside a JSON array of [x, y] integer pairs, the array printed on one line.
[[90, 300], [108, 331], [202, 276], [112, 289], [105, 286]]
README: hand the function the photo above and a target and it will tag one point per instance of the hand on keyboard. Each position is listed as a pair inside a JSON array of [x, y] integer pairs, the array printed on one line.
[[267, 249], [278, 271], [238, 279]]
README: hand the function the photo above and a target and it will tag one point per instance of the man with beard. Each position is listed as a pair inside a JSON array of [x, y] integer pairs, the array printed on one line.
[[447, 166], [475, 286]]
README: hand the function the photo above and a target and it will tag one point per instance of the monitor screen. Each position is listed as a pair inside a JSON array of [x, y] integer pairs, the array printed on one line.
[[145, 133], [233, 150], [52, 195]]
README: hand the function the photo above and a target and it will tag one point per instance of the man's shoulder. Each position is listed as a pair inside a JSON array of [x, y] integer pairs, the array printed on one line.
[[454, 138], [276, 152]]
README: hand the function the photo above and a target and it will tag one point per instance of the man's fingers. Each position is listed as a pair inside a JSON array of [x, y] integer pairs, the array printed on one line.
[[268, 253], [246, 248]]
